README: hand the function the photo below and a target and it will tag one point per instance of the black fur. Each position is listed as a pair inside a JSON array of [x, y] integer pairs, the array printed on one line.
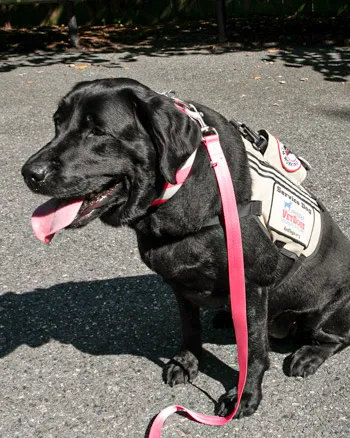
[[119, 132]]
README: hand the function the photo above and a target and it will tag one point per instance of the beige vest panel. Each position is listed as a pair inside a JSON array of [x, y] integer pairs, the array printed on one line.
[[289, 212]]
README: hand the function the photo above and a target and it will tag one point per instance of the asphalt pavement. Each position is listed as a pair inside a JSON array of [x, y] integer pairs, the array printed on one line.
[[85, 327]]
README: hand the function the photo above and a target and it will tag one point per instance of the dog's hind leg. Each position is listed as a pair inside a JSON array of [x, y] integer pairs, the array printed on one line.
[[328, 336]]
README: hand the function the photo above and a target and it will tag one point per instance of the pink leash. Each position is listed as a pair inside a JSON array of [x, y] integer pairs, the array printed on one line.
[[237, 287]]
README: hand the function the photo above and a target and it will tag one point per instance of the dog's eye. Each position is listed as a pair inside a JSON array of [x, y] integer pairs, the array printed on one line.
[[96, 131]]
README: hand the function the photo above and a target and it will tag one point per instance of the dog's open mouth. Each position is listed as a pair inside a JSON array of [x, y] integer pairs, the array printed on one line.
[[56, 214]]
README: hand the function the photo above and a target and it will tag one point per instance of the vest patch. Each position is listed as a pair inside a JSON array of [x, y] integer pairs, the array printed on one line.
[[289, 161], [291, 216]]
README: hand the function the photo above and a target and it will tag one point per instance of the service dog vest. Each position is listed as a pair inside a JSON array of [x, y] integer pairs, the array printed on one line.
[[290, 214], [287, 211]]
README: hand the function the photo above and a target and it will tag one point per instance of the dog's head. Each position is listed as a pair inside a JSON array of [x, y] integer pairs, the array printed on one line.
[[115, 143]]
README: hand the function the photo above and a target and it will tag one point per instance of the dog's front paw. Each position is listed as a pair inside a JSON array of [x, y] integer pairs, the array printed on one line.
[[248, 405], [181, 368]]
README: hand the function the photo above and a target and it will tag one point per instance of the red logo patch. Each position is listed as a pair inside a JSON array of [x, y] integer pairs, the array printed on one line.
[[289, 161]]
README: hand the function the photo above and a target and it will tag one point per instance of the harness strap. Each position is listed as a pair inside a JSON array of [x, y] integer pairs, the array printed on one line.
[[250, 208], [236, 282]]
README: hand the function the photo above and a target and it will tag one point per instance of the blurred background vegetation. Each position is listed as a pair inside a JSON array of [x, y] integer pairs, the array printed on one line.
[[150, 12], [153, 25]]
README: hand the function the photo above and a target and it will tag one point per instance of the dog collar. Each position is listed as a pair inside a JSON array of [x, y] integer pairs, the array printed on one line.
[[181, 175]]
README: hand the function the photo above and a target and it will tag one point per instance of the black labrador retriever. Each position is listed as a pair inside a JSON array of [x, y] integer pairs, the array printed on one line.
[[117, 143]]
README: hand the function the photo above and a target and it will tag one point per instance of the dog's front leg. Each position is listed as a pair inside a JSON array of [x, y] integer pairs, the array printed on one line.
[[183, 367], [258, 361]]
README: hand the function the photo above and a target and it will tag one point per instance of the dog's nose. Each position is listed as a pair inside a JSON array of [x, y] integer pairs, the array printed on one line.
[[35, 173]]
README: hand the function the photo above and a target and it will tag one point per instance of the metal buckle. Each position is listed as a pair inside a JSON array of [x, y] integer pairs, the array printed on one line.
[[258, 141], [208, 130], [170, 93]]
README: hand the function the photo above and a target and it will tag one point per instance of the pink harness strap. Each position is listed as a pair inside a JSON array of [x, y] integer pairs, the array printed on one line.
[[237, 287]]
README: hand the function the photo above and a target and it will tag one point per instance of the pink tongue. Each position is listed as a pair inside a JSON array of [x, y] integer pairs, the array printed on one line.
[[53, 216]]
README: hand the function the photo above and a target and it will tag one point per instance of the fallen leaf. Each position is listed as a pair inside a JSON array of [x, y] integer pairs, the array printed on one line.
[[257, 78], [126, 68], [80, 67], [273, 50], [275, 104], [30, 82]]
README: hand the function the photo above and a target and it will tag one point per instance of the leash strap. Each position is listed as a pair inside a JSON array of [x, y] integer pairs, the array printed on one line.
[[236, 282]]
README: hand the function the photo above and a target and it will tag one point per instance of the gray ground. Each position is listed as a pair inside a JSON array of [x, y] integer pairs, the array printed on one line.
[[84, 326]]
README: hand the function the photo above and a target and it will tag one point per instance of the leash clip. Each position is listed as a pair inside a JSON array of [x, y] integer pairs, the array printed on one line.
[[208, 130], [196, 115], [170, 93]]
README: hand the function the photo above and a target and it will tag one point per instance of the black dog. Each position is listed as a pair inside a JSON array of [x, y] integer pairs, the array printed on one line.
[[117, 142]]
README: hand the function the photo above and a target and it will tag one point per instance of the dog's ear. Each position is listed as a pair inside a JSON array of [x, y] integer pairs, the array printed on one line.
[[174, 134]]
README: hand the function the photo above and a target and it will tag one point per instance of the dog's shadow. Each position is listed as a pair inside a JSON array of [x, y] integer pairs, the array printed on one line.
[[128, 315]]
